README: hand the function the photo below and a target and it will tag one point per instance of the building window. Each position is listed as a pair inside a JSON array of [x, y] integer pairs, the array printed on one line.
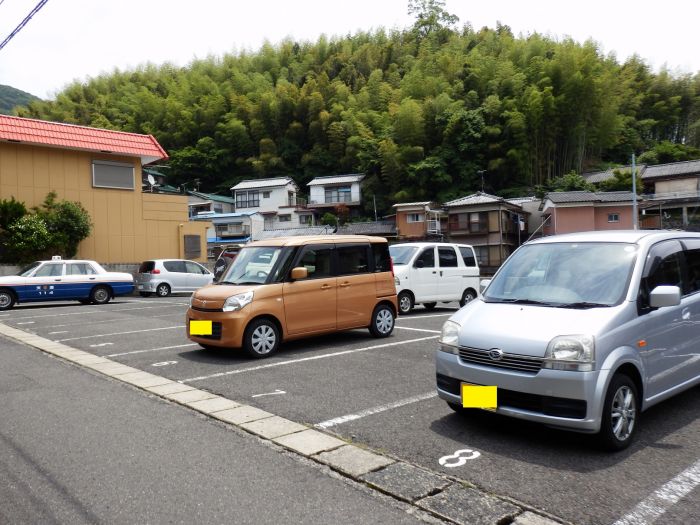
[[338, 194], [247, 199], [479, 222], [415, 217], [218, 208], [284, 218], [193, 246], [266, 194], [116, 175], [459, 221], [613, 217], [305, 219], [482, 255]]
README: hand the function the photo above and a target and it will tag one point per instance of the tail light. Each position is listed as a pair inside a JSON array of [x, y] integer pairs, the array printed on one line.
[[391, 265], [155, 271]]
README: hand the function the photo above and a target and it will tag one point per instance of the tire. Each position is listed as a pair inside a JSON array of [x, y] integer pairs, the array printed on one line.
[[405, 302], [145, 294], [383, 320], [163, 290], [84, 301], [99, 295], [7, 300], [620, 419], [429, 306], [468, 296], [261, 338], [457, 408]]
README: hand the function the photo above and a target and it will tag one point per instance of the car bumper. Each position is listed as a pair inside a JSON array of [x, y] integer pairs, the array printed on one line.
[[571, 400], [227, 327]]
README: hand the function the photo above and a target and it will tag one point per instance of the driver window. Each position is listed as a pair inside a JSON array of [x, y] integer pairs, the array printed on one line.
[[50, 270], [427, 258], [317, 261], [663, 268]]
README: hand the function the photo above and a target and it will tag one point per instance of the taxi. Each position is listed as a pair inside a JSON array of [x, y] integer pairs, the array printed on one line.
[[62, 280]]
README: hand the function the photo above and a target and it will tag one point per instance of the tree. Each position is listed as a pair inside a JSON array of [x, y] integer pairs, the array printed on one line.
[[621, 181], [28, 240], [572, 181], [431, 16], [10, 211], [67, 222]]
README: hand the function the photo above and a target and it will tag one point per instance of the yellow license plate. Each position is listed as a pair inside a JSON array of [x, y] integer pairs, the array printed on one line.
[[200, 327], [477, 396]]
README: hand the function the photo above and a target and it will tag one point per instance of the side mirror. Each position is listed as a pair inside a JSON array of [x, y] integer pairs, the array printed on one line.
[[484, 283], [419, 264], [665, 296], [299, 273]]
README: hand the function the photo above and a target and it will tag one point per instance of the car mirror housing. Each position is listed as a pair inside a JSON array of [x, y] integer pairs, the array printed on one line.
[[299, 273], [665, 296]]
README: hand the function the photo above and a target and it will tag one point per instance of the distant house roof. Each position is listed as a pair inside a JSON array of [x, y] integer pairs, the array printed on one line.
[[336, 179], [411, 204], [519, 201], [674, 169], [213, 197], [223, 218], [253, 184], [580, 197], [475, 198], [294, 232], [70, 136], [595, 177], [385, 228]]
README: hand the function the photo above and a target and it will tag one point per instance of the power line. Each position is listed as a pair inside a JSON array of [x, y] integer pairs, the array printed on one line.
[[23, 22]]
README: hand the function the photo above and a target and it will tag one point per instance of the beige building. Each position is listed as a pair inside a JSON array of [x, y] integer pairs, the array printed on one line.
[[101, 169]]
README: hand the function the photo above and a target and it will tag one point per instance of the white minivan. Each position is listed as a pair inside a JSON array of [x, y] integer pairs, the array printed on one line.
[[430, 272]]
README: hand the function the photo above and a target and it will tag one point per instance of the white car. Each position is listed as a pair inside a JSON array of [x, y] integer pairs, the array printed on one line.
[[428, 272], [165, 276], [59, 280]]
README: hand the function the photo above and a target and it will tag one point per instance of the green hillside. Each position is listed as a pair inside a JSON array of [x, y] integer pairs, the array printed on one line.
[[420, 111], [11, 97]]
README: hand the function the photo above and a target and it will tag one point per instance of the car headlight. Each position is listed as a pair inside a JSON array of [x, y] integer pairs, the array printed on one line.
[[570, 352], [238, 302], [397, 281], [449, 338]]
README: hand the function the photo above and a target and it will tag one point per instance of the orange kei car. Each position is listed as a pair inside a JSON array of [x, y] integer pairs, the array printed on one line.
[[289, 288]]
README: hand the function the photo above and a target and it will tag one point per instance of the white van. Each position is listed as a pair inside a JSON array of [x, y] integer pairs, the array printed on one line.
[[430, 272]]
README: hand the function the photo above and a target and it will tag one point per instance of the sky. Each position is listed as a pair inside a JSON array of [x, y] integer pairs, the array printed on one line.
[[69, 40]]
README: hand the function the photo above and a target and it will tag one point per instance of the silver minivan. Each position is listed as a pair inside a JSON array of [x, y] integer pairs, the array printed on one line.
[[581, 331], [165, 276]]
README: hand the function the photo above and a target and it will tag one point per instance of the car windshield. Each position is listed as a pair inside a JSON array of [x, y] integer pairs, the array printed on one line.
[[565, 275], [252, 265], [402, 254], [24, 272]]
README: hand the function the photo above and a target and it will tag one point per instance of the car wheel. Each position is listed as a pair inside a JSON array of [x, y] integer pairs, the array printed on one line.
[[261, 338], [163, 290], [620, 414], [99, 295], [7, 300], [429, 306], [382, 321], [145, 294], [468, 296], [405, 302]]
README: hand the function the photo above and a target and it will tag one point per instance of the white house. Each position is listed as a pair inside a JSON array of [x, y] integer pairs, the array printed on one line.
[[209, 203], [328, 192], [276, 199]]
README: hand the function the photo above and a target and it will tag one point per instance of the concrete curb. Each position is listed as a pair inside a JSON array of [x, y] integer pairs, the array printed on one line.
[[441, 496]]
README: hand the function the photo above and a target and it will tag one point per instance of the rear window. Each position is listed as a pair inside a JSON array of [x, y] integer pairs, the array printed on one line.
[[175, 266], [147, 266], [382, 259], [353, 259]]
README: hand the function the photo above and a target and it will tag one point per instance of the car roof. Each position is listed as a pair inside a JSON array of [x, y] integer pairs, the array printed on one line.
[[301, 240], [625, 236], [68, 261], [422, 244]]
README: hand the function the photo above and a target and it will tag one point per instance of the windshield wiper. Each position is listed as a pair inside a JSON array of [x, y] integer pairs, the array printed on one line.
[[520, 301], [583, 305], [226, 282], [243, 283]]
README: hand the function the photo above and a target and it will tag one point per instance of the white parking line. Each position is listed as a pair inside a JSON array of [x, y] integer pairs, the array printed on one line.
[[294, 361], [407, 317], [59, 332], [119, 333], [151, 350], [649, 510], [102, 309], [418, 329], [376, 410], [113, 320]]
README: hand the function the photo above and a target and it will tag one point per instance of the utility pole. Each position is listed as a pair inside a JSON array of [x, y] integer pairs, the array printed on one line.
[[374, 199], [481, 173], [635, 218]]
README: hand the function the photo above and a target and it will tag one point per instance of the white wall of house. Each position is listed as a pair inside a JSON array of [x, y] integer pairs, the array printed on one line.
[[318, 193], [266, 199], [213, 206]]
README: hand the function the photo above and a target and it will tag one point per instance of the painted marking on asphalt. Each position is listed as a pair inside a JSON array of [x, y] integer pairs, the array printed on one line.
[[26, 322], [277, 392], [649, 510], [376, 410], [59, 332], [102, 309], [164, 363], [418, 329], [121, 319], [151, 350], [119, 333], [459, 458], [303, 359], [407, 317], [100, 345]]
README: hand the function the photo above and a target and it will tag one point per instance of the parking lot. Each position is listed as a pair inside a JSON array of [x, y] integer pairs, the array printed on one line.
[[381, 393]]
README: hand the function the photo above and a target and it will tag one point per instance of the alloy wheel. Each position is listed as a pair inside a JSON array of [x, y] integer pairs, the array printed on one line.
[[623, 413]]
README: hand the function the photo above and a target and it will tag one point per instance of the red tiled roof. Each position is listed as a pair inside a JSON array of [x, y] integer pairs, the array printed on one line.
[[69, 136]]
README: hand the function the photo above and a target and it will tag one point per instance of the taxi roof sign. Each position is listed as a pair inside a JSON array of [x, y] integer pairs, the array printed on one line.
[[56, 258]]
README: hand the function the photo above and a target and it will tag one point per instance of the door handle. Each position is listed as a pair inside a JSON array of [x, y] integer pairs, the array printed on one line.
[[440, 273], [434, 272], [57, 280], [344, 285], [91, 278], [325, 287]]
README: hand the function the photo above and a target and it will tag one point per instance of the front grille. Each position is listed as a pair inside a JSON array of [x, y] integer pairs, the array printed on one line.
[[215, 331], [200, 309], [517, 362], [547, 405]]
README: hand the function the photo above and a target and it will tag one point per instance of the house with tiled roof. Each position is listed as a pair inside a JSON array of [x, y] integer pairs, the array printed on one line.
[[579, 211], [418, 221], [206, 203], [102, 170], [494, 226], [329, 192]]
